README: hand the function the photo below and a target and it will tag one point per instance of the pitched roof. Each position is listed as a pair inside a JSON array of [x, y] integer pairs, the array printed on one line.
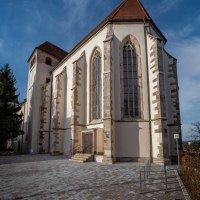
[[127, 11], [52, 50]]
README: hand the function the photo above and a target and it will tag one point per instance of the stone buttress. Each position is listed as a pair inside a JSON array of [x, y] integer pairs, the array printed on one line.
[[59, 106], [108, 121], [77, 102], [157, 99]]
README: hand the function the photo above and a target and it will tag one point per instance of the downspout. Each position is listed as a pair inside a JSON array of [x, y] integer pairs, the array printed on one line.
[[149, 103], [50, 112]]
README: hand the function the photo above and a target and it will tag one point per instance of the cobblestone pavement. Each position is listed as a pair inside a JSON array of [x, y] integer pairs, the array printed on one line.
[[46, 177]]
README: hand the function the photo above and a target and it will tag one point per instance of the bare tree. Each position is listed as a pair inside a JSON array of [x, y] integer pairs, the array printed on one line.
[[195, 131]]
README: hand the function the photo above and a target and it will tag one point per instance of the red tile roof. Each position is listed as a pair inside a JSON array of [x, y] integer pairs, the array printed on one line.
[[52, 50], [127, 11]]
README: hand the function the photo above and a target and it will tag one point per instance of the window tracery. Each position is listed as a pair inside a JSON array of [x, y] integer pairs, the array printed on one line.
[[96, 85], [131, 89]]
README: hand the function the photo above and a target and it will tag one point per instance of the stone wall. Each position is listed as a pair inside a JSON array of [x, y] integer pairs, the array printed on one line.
[[45, 118], [157, 99], [174, 122]]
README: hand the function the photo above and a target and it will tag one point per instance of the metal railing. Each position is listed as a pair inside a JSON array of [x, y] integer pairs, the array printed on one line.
[[150, 175]]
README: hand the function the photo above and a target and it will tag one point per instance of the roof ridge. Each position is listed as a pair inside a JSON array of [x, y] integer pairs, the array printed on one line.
[[117, 9], [47, 42], [51, 49]]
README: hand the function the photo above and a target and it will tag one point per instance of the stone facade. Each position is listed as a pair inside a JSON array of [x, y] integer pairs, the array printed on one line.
[[63, 121], [45, 120]]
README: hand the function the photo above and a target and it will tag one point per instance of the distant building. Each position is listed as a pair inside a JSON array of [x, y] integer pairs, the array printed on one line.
[[115, 95], [20, 144]]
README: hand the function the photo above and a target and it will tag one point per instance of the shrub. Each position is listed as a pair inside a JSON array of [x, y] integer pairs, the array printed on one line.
[[190, 173]]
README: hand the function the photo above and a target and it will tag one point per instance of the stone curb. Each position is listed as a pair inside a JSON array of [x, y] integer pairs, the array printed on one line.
[[184, 190]]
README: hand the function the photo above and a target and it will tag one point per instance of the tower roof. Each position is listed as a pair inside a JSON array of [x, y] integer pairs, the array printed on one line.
[[51, 49]]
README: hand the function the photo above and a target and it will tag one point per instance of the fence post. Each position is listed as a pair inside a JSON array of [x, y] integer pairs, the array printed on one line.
[[165, 179], [140, 181], [144, 174], [147, 167]]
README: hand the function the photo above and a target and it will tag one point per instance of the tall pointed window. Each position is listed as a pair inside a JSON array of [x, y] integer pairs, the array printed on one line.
[[96, 86], [131, 90]]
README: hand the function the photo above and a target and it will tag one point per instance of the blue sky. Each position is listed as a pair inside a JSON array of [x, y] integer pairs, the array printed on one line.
[[24, 24]]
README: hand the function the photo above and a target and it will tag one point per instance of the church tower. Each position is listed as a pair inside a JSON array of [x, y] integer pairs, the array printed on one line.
[[41, 62]]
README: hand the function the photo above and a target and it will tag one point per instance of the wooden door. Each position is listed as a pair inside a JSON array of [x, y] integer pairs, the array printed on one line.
[[88, 143]]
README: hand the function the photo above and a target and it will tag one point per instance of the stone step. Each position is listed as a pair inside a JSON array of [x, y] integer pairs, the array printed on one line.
[[82, 158], [79, 158], [82, 154], [73, 160]]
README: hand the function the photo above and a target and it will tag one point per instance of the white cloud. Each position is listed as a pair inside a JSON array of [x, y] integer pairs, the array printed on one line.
[[181, 33], [184, 30], [77, 11], [187, 53], [189, 73], [165, 5]]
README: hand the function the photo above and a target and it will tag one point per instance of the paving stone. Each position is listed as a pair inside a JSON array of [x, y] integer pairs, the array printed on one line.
[[55, 177]]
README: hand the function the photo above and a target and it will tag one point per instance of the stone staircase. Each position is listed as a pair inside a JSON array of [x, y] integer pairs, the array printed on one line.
[[82, 158]]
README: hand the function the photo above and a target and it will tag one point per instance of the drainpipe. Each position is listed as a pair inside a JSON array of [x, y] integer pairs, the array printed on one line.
[[50, 112], [150, 133]]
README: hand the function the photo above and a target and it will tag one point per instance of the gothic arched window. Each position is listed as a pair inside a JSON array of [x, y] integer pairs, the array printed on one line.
[[96, 86], [130, 79]]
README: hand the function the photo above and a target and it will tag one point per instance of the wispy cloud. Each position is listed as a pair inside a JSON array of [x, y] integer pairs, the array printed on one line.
[[165, 5], [181, 33], [187, 52], [76, 11], [184, 29], [189, 71]]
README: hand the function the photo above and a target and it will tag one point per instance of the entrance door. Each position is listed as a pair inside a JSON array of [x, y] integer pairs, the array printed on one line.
[[88, 143]]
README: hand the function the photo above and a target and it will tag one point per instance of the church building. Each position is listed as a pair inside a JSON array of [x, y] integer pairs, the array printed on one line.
[[114, 96]]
